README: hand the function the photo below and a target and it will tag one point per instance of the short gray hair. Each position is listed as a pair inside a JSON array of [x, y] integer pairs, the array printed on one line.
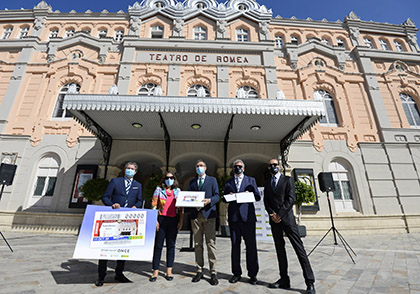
[[238, 160], [132, 163]]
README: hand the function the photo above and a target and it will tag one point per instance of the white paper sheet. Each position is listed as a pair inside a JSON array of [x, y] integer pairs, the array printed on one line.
[[245, 197], [230, 197], [190, 199]]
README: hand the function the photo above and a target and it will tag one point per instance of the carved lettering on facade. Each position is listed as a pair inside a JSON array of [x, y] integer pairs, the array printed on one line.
[[200, 58]]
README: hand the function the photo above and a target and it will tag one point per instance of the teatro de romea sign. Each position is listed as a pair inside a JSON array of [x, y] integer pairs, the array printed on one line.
[[197, 58]]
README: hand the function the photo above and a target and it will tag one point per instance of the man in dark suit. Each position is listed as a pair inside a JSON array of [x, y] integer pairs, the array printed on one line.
[[203, 222], [121, 192], [242, 220], [279, 197]]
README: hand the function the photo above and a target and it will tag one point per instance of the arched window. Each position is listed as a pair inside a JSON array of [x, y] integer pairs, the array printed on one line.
[[156, 32], [23, 32], [200, 33], [279, 41], [198, 91], [341, 43], [102, 33], [119, 35], [7, 33], [344, 198], [69, 33], [325, 41], [399, 46], [330, 119], [368, 43], [53, 34], [59, 112], [246, 92], [384, 44], [150, 89], [242, 35], [45, 180], [294, 40], [411, 110]]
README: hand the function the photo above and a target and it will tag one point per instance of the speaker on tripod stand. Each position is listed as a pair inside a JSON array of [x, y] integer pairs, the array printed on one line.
[[326, 185], [7, 174]]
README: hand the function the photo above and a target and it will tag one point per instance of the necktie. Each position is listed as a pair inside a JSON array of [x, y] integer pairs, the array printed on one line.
[[238, 186], [127, 186], [200, 183], [273, 183]]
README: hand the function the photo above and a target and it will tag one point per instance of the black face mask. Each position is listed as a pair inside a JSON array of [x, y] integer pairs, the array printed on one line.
[[274, 169], [237, 170]]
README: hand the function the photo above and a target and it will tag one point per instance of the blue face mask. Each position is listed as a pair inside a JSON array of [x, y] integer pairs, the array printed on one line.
[[169, 182], [129, 173], [200, 170]]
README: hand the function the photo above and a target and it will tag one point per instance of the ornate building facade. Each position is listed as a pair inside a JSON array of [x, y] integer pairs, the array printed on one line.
[[169, 82]]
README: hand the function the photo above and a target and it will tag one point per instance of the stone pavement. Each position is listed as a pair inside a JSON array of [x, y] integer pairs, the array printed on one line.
[[384, 264]]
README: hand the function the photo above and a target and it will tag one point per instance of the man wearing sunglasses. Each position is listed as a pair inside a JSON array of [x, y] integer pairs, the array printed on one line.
[[279, 198], [242, 223], [203, 221]]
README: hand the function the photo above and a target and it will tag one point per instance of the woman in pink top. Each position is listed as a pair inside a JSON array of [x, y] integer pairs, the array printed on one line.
[[168, 224]]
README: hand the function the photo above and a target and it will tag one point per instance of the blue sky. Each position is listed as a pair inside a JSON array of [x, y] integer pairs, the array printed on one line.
[[391, 11]]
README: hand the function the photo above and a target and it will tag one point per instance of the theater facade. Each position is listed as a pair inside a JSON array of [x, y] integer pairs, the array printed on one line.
[[166, 83]]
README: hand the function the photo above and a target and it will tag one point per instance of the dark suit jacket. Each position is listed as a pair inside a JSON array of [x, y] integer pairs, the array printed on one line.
[[281, 200], [245, 211], [212, 192], [115, 193]]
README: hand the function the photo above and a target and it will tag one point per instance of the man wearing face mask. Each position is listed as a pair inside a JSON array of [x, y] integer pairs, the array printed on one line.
[[203, 222], [242, 220], [279, 198], [121, 192]]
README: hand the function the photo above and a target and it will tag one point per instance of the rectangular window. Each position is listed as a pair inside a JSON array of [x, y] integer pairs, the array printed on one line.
[[118, 36], [7, 33], [51, 186], [53, 34], [102, 34], [23, 32], [39, 186]]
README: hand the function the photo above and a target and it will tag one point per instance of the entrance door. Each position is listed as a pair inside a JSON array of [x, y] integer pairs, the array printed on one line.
[[44, 183], [344, 199]]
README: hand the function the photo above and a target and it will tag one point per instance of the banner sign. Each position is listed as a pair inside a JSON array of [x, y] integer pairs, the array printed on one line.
[[263, 229], [116, 234]]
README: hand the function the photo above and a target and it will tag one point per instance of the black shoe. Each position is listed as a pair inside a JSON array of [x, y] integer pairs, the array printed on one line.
[[197, 277], [169, 278], [213, 280], [234, 279], [310, 289], [99, 283], [253, 280], [122, 279], [152, 279], [282, 283]]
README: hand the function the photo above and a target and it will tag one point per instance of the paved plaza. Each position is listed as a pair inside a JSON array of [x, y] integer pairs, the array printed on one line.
[[43, 263]]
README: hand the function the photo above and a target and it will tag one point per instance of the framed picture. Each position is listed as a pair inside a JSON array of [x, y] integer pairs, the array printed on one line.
[[307, 176], [83, 174]]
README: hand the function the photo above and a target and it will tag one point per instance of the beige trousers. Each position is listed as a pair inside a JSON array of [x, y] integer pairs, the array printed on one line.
[[201, 226]]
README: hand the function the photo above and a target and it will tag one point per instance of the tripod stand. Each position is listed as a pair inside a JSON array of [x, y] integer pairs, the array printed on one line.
[[4, 238], [335, 232]]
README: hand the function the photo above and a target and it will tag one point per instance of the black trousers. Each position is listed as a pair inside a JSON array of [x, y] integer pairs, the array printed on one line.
[[291, 231], [247, 232], [102, 268], [167, 232]]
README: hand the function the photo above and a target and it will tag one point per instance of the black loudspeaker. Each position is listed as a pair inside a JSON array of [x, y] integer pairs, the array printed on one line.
[[326, 182], [7, 173]]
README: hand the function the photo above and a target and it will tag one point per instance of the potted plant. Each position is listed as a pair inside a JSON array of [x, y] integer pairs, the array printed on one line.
[[94, 189], [304, 194]]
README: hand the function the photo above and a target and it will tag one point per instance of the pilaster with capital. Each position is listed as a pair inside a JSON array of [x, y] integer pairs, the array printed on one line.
[[221, 31], [135, 23], [178, 28]]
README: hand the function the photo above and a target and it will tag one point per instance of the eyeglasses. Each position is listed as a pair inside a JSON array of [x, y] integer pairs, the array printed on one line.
[[239, 166], [273, 164], [170, 178]]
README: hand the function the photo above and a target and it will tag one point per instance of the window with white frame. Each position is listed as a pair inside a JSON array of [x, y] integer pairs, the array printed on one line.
[[384, 44], [7, 33], [147, 89], [46, 177], [368, 43], [279, 41], [69, 33], [23, 32], [246, 92], [53, 34], [344, 200], [341, 43], [87, 31], [198, 91], [102, 33], [119, 35], [330, 119], [242, 35], [156, 32], [200, 33], [59, 112], [294, 40], [399, 46], [411, 110], [325, 41]]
